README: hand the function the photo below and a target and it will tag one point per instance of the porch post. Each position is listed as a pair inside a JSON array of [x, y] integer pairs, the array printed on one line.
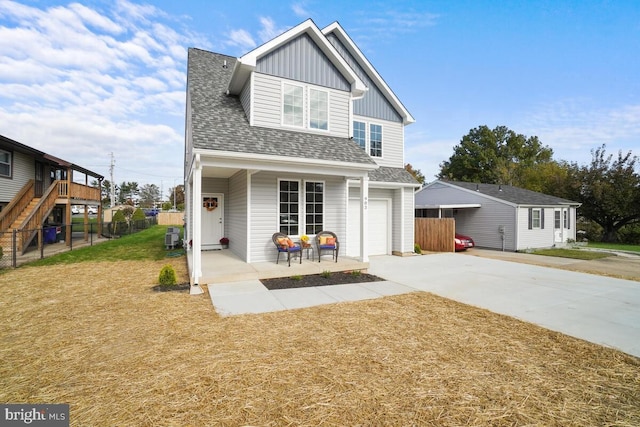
[[364, 218], [197, 218]]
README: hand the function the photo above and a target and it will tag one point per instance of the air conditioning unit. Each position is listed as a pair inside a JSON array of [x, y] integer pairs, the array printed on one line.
[[171, 240], [173, 230]]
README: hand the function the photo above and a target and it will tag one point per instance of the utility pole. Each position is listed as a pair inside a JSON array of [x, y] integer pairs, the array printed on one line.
[[113, 183]]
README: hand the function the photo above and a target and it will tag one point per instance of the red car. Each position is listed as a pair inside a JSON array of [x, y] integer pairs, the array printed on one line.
[[463, 242]]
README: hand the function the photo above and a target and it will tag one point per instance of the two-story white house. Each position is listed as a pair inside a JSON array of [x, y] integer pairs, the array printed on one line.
[[297, 136]]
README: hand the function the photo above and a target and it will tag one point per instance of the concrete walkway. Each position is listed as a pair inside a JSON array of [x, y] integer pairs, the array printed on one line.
[[595, 308]]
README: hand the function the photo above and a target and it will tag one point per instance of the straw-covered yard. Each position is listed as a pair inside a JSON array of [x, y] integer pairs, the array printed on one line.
[[95, 336]]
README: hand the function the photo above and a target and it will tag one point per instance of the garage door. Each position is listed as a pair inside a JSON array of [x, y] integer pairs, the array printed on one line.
[[379, 220]]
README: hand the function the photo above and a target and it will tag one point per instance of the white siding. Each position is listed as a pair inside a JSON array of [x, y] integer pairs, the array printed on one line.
[[245, 98], [267, 106], [408, 223], [392, 141], [236, 221], [264, 210], [537, 237], [23, 170]]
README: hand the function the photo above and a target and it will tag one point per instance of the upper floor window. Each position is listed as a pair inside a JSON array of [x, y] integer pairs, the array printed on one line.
[[5, 163], [360, 134], [375, 140], [318, 109], [293, 105]]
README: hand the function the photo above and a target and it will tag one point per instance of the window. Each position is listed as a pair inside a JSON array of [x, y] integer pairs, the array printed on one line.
[[375, 140], [5, 163], [566, 218], [314, 207], [289, 207], [360, 134], [292, 105], [289, 216], [536, 218], [318, 109], [557, 220]]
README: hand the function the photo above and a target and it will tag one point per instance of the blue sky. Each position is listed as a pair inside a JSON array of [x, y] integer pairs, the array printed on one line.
[[82, 80]]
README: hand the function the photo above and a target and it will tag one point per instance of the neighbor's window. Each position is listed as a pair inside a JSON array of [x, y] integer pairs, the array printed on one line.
[[557, 220], [318, 109], [566, 218], [360, 134], [535, 218], [314, 207], [375, 140], [292, 105], [289, 207], [5, 163]]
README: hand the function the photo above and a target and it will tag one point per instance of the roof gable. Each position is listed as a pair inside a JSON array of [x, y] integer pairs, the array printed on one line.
[[342, 36], [248, 62]]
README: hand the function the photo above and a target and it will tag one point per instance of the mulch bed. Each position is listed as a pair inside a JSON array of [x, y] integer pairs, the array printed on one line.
[[335, 278], [168, 288]]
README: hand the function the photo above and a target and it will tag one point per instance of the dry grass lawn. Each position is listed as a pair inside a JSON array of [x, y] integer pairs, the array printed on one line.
[[95, 336]]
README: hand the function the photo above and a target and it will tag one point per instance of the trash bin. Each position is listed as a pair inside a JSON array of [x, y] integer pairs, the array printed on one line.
[[49, 234]]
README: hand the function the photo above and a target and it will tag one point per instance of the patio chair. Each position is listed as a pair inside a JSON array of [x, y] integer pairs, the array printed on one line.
[[327, 241], [285, 244]]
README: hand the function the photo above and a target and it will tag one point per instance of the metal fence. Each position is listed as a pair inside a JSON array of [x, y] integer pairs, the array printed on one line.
[[52, 239]]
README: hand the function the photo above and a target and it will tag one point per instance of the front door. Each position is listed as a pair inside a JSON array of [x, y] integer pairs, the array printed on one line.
[[557, 226], [212, 220], [39, 180]]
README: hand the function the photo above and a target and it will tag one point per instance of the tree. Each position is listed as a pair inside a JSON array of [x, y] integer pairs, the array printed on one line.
[[128, 192], [498, 156], [149, 194], [179, 195], [609, 191], [415, 172]]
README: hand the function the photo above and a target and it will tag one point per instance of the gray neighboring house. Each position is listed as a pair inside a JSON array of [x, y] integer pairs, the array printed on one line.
[[297, 136], [500, 216]]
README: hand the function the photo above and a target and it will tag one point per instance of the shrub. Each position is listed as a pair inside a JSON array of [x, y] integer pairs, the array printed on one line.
[[326, 274], [138, 215], [118, 222], [167, 276], [296, 277], [417, 249], [356, 273]]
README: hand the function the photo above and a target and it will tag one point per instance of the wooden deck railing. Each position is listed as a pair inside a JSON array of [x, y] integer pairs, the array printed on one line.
[[17, 205], [34, 221], [77, 191]]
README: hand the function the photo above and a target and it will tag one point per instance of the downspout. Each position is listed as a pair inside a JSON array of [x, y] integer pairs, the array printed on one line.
[[197, 227]]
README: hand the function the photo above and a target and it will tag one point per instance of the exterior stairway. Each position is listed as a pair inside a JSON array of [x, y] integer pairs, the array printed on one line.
[[7, 236]]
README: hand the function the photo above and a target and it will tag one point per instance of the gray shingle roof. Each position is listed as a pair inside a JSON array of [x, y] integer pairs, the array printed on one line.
[[516, 195], [219, 121], [386, 174]]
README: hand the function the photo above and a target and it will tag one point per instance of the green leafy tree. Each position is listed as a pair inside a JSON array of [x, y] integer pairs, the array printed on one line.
[[609, 190], [494, 156], [415, 172], [128, 192], [149, 194]]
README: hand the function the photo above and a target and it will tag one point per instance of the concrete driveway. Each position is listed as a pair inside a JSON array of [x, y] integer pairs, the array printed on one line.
[[595, 308]]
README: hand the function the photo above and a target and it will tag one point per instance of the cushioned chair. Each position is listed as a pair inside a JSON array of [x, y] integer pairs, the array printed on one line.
[[327, 241], [285, 244]]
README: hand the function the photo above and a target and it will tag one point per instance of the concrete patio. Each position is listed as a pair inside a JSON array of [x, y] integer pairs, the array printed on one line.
[[223, 266]]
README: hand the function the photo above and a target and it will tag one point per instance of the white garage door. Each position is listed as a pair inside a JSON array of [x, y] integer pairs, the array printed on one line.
[[379, 220]]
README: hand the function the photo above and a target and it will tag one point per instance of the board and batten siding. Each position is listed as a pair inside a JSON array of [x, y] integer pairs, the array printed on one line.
[[373, 104], [267, 106], [264, 209], [23, 169], [236, 221], [301, 59]]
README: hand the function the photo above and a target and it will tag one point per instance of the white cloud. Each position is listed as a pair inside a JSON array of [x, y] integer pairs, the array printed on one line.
[[300, 10], [79, 83], [241, 39]]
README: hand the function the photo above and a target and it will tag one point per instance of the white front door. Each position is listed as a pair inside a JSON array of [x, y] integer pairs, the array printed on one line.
[[557, 226], [212, 220]]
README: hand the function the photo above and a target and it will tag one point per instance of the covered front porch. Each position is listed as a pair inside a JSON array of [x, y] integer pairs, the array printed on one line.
[[223, 266]]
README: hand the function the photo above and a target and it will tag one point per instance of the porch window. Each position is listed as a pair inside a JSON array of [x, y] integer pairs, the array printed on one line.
[[292, 220], [292, 105], [318, 109], [288, 207], [314, 207], [5, 163], [375, 140], [360, 134]]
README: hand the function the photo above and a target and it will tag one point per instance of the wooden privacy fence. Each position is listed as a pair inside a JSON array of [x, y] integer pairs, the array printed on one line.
[[435, 234], [171, 218]]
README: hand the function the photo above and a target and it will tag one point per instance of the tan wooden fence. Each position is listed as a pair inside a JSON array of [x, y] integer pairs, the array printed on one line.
[[435, 234], [171, 218]]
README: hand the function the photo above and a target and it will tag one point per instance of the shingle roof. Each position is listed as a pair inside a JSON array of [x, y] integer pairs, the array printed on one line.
[[219, 121], [386, 174], [516, 195]]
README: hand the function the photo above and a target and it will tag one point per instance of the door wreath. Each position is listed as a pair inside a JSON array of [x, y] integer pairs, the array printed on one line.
[[210, 203]]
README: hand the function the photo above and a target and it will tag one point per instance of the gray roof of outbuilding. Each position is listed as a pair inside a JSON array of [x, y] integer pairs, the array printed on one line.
[[512, 194], [220, 123]]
